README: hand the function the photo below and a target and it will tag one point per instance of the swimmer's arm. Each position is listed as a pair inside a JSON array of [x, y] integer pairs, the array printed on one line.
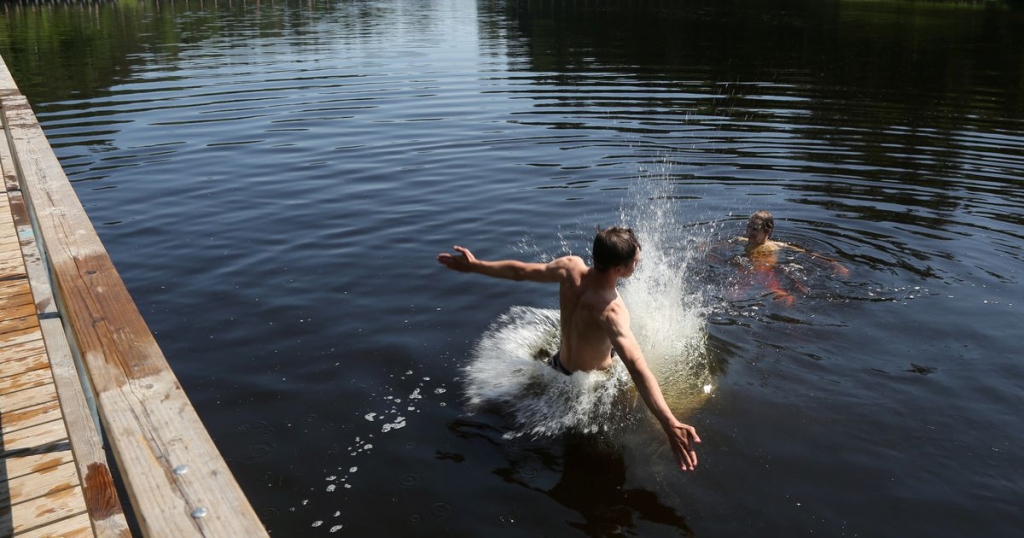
[[681, 437], [838, 267], [465, 262]]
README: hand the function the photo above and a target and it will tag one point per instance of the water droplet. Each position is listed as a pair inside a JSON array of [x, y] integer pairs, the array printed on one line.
[[441, 509]]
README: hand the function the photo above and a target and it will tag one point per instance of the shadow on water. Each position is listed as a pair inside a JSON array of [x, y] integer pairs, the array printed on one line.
[[590, 479]]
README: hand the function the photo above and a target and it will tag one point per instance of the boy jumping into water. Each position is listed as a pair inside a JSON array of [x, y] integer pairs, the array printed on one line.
[[594, 322]]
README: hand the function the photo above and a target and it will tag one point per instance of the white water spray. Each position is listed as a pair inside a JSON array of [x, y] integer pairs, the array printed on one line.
[[509, 369]]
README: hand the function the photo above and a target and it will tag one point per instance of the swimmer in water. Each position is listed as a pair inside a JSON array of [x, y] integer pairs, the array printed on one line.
[[595, 325], [763, 253]]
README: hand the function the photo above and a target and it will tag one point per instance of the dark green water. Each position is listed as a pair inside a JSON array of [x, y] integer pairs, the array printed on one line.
[[274, 179]]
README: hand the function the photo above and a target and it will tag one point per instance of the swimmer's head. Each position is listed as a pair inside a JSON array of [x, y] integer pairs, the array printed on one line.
[[760, 226], [615, 247]]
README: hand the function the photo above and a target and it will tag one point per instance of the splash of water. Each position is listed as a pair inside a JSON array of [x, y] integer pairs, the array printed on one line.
[[508, 367], [669, 306]]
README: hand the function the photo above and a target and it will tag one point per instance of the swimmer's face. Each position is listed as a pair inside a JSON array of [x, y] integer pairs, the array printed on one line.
[[757, 232]]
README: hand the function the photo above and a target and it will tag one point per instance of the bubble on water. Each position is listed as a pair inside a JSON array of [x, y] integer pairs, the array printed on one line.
[[317, 523], [441, 509], [370, 416], [439, 391], [398, 423], [336, 528]]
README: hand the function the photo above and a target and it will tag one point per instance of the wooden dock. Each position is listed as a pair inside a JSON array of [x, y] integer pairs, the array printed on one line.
[[80, 370]]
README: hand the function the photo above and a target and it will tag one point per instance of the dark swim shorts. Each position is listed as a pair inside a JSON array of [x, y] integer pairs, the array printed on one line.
[[557, 364]]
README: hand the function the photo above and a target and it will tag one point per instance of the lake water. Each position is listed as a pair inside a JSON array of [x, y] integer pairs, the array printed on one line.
[[274, 180]]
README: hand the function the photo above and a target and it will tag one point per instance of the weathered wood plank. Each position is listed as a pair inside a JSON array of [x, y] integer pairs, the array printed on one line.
[[72, 527], [45, 482], [25, 380], [97, 482], [10, 179], [36, 439], [17, 319], [23, 465], [14, 286], [23, 364], [30, 416], [151, 425], [42, 511], [27, 398], [12, 268], [19, 337], [20, 350], [38, 277], [16, 298]]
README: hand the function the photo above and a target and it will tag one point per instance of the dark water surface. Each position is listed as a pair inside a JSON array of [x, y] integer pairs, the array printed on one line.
[[274, 179]]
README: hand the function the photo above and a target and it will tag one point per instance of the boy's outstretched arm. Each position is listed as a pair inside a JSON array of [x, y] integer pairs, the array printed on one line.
[[464, 261]]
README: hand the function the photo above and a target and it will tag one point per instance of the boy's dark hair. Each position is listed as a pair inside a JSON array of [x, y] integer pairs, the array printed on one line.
[[614, 247], [763, 219]]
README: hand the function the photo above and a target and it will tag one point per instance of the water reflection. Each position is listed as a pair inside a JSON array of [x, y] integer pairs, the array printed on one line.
[[591, 479]]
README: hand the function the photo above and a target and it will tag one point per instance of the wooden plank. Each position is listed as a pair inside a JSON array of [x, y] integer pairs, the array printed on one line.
[[17, 319], [38, 277], [27, 398], [152, 426], [42, 511], [25, 380], [30, 416], [17, 285], [10, 179], [20, 350], [90, 459], [19, 337], [45, 482], [12, 268], [72, 527], [23, 465], [19, 297], [35, 439], [22, 365]]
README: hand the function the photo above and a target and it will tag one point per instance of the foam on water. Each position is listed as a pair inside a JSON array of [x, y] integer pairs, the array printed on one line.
[[508, 367]]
